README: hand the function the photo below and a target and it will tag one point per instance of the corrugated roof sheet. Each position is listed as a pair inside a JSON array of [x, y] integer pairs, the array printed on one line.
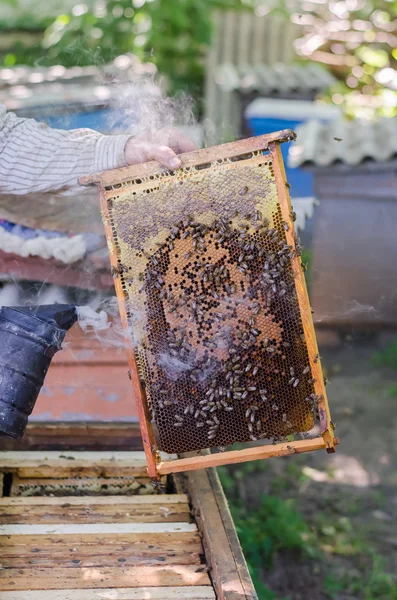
[[23, 86], [347, 142], [291, 109], [273, 79]]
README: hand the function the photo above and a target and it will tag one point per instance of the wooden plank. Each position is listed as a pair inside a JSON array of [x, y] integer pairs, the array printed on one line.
[[77, 436], [98, 559], [237, 456], [15, 458], [58, 460], [162, 499], [73, 464], [66, 513], [99, 556], [189, 159], [234, 542], [96, 528], [111, 577], [158, 541], [224, 572], [101, 553], [155, 593]]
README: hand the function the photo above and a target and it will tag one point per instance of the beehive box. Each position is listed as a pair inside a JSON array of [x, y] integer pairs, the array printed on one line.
[[78, 525], [208, 271]]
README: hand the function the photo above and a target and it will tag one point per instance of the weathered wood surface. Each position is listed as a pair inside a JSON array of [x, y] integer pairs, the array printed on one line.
[[231, 582], [146, 593], [141, 542], [161, 500], [71, 464], [95, 528], [230, 530], [66, 512], [76, 436], [102, 550], [101, 560], [65, 547], [53, 578]]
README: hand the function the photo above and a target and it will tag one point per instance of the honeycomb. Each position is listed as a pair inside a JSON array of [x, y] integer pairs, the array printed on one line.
[[212, 309]]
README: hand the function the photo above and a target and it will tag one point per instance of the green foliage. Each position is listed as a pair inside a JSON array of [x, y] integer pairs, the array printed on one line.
[[334, 586], [173, 34], [391, 392], [275, 526], [376, 585], [337, 536], [355, 40], [387, 357], [380, 585]]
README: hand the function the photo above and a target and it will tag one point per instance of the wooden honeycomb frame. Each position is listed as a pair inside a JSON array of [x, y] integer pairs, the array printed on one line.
[[107, 182]]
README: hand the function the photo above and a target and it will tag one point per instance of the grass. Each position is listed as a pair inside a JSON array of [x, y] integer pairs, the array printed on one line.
[[377, 585], [391, 392], [387, 357], [336, 536], [380, 585], [276, 526]]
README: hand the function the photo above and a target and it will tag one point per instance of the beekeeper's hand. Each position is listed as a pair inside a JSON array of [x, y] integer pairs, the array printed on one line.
[[162, 145]]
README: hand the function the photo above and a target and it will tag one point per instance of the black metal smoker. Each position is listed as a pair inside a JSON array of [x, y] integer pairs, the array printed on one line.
[[29, 338]]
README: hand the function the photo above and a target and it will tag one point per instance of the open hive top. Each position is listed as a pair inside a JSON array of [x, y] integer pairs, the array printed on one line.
[[207, 277]]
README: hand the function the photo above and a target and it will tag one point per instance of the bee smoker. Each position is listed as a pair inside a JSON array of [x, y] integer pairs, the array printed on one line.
[[29, 336]]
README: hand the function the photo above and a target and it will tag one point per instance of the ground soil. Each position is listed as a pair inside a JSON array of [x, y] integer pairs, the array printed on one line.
[[358, 483]]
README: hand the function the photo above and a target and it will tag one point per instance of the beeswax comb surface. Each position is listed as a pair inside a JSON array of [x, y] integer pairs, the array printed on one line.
[[207, 277]]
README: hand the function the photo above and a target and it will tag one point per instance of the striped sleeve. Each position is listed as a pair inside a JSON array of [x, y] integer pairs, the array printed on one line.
[[37, 158]]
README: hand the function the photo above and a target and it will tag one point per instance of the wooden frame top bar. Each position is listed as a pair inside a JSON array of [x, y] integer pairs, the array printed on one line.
[[190, 159]]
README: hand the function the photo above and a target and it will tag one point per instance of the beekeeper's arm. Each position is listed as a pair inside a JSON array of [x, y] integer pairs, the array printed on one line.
[[37, 158]]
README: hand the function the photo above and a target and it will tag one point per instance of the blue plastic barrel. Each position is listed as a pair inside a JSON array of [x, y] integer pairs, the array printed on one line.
[[266, 115]]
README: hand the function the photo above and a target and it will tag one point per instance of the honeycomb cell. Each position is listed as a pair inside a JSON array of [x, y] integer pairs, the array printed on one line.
[[212, 307]]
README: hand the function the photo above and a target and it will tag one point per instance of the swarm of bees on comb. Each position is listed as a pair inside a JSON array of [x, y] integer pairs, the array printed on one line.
[[223, 358], [221, 335]]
